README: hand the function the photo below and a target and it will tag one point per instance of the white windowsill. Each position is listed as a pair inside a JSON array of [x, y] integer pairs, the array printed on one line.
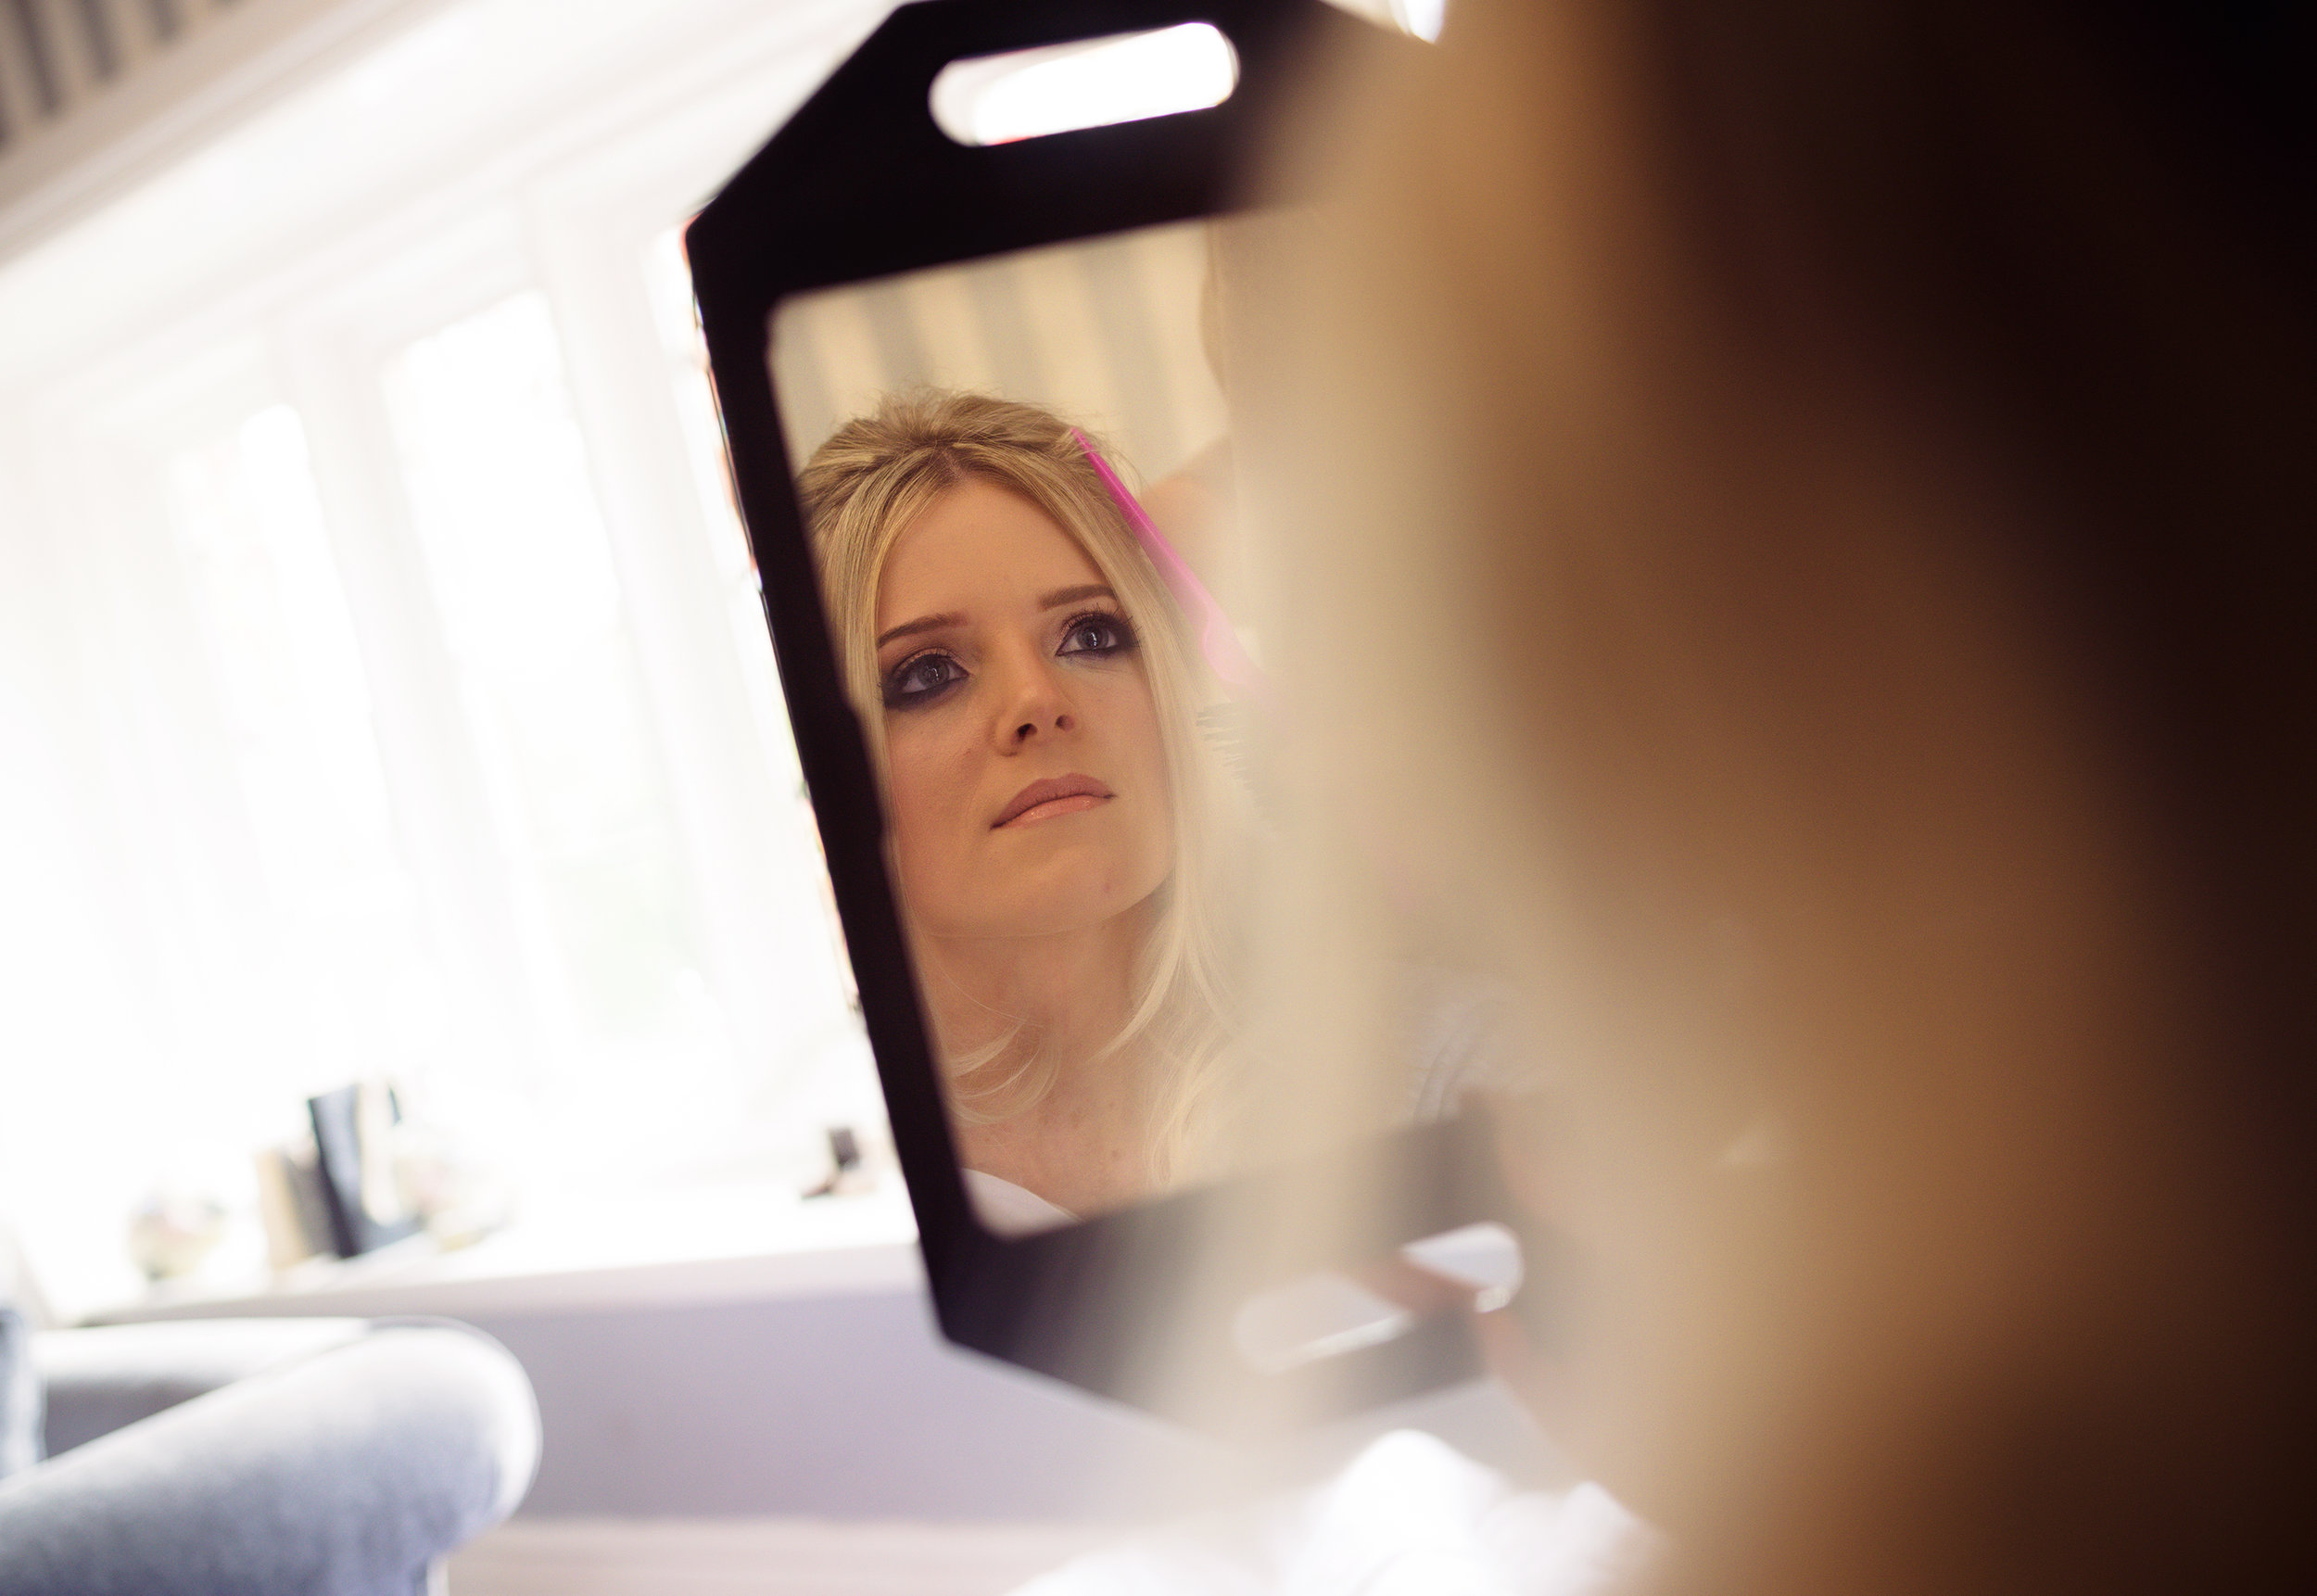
[[732, 1246]]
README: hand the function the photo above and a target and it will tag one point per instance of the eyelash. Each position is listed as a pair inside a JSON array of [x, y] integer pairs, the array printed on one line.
[[1125, 629], [895, 699]]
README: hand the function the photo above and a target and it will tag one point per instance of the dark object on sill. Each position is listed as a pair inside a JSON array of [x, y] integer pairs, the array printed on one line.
[[844, 1155], [352, 1126]]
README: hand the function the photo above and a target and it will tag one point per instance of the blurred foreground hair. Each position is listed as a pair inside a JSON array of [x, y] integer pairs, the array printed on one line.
[[1796, 518]]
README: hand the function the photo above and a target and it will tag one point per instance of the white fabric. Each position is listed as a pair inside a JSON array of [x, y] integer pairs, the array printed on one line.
[[1010, 1209], [17, 1288], [1409, 1517]]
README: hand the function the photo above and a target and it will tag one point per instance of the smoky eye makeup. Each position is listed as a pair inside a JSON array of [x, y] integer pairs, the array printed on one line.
[[929, 674], [921, 678], [1097, 634]]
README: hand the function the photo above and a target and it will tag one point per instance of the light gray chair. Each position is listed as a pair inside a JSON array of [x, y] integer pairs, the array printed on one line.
[[314, 1457]]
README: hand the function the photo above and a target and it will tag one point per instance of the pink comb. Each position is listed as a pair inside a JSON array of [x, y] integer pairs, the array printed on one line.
[[1225, 655]]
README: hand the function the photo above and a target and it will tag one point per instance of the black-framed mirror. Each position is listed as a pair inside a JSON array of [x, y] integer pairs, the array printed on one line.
[[975, 388]]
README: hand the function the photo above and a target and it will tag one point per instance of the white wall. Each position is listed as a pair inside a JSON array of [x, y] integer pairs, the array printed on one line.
[[851, 1407]]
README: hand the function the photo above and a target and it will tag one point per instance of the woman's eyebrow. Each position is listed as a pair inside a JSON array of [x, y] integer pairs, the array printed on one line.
[[922, 624], [1061, 596]]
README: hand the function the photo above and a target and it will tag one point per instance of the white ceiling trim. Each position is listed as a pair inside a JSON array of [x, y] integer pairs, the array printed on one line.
[[97, 95]]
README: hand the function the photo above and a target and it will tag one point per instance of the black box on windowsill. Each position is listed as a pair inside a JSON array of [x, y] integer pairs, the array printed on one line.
[[353, 1133]]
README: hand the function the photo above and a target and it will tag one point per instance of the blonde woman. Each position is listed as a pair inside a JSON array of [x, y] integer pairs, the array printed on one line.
[[1029, 703]]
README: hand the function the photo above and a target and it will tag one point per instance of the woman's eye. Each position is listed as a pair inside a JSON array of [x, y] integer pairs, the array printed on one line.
[[921, 678], [1097, 634]]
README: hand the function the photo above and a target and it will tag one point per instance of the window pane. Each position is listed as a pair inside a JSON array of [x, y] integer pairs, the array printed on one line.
[[833, 1081], [687, 354], [348, 942], [530, 605]]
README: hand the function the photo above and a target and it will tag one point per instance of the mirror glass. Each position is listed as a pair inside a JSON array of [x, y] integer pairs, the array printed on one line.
[[1047, 585]]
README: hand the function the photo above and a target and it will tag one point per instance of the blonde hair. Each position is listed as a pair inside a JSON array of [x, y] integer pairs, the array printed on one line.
[[866, 486]]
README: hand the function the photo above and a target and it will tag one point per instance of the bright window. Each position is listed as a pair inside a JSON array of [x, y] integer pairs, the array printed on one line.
[[346, 948], [530, 608], [386, 690]]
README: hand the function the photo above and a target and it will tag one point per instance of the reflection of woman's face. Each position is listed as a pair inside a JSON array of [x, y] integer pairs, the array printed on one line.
[[1027, 781]]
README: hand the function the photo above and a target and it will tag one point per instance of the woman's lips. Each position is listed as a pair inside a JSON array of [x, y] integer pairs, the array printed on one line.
[[1055, 795]]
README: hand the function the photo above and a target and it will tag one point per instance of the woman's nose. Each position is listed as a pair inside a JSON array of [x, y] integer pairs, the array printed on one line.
[[1036, 708]]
